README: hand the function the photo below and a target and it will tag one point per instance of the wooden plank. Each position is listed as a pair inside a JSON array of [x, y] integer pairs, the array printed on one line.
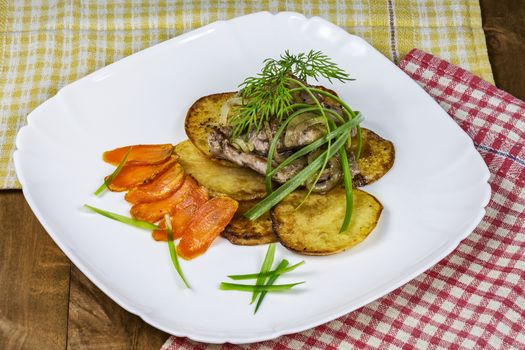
[[34, 275], [504, 25], [96, 322]]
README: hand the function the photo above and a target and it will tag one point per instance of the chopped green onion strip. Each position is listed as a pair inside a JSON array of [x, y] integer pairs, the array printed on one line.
[[347, 108], [273, 145], [275, 197], [327, 94], [124, 219], [173, 252], [338, 117], [256, 288], [331, 126], [359, 143], [115, 173], [350, 113], [265, 267], [328, 130], [277, 271], [282, 265], [347, 180], [316, 144]]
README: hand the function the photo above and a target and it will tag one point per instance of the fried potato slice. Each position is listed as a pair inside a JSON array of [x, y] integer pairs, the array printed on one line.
[[313, 228], [242, 231], [377, 157], [201, 118], [154, 211], [131, 176], [237, 183], [159, 188], [139, 155]]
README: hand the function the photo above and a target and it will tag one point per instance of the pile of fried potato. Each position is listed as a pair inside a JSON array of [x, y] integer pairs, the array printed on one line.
[[313, 227]]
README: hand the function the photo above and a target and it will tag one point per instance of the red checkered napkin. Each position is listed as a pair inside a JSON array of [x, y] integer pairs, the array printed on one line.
[[474, 298]]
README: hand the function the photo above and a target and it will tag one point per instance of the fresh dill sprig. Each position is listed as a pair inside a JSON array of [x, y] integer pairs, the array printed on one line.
[[268, 94]]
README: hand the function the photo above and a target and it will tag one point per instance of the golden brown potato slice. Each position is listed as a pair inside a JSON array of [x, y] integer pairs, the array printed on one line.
[[202, 117], [242, 231], [313, 228], [377, 157], [238, 183]]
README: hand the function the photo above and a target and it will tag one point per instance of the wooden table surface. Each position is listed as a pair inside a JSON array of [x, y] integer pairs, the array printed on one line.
[[47, 303]]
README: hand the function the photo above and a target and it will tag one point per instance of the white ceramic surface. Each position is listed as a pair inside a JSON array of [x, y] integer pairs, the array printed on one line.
[[434, 195]]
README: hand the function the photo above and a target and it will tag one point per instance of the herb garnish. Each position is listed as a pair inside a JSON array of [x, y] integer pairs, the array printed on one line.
[[265, 267], [124, 219], [252, 276], [270, 95], [112, 177], [173, 252], [265, 278]]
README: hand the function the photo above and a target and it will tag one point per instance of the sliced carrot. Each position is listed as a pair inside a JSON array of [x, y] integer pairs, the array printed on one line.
[[140, 154], [205, 225], [184, 211], [131, 176], [154, 211], [161, 234], [159, 188], [181, 214]]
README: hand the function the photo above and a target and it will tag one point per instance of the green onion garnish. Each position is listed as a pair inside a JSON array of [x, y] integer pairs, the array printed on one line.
[[124, 219], [261, 288], [271, 95], [273, 144], [265, 267], [316, 144], [277, 271], [282, 265], [347, 180], [111, 177], [265, 279], [173, 252], [276, 196]]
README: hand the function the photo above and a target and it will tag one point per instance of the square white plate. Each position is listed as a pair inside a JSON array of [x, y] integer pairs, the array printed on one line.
[[433, 196]]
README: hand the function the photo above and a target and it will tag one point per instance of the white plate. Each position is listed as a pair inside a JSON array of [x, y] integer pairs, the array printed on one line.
[[434, 195]]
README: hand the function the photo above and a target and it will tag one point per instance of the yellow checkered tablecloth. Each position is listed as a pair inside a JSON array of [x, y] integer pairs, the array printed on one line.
[[46, 45]]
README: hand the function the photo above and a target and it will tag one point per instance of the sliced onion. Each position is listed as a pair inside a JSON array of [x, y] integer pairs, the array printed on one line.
[[298, 126], [242, 145], [226, 106], [333, 176]]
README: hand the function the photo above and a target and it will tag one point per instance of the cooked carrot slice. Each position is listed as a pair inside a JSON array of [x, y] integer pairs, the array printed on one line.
[[184, 211], [140, 154], [159, 188], [131, 176], [154, 211], [181, 214], [205, 225]]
